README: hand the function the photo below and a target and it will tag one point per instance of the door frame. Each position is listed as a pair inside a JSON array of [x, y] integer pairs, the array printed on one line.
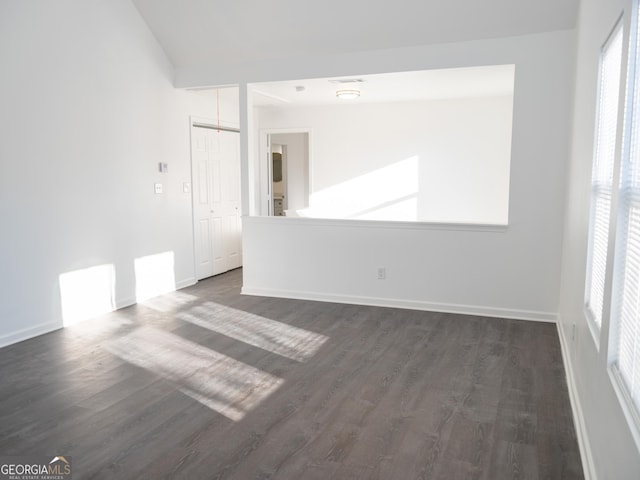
[[266, 168]]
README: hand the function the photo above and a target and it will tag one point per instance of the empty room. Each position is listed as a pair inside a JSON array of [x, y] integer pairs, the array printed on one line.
[[330, 240]]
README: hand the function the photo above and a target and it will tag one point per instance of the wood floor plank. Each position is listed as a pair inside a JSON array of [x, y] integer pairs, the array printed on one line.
[[358, 392]]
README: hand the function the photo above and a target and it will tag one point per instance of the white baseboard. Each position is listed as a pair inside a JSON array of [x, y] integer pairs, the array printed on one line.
[[128, 301], [187, 282], [588, 465], [125, 302], [41, 329], [408, 304], [27, 333]]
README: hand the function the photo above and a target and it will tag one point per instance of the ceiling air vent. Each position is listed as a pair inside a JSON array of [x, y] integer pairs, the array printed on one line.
[[347, 80]]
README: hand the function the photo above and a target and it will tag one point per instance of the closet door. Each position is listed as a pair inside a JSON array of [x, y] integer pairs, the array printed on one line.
[[216, 201]]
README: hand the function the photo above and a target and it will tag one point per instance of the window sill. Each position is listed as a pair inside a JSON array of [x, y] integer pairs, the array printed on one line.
[[593, 327], [348, 223]]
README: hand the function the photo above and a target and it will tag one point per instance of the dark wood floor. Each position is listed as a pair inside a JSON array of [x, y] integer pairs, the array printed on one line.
[[204, 383]]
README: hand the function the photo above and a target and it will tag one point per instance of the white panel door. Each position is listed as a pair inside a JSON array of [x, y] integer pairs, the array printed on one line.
[[216, 194], [228, 208], [203, 226]]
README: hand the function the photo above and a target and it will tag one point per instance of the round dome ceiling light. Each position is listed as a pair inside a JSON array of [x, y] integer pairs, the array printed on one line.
[[348, 94]]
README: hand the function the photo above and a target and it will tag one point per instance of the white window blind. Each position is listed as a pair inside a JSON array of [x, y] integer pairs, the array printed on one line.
[[626, 282], [602, 174]]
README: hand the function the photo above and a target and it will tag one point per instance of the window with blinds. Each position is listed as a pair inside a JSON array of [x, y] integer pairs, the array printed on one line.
[[625, 296], [602, 175]]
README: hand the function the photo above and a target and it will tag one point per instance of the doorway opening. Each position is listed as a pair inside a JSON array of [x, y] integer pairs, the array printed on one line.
[[279, 179], [287, 192]]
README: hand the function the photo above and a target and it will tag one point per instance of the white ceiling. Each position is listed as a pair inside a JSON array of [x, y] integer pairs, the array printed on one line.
[[390, 87], [196, 32]]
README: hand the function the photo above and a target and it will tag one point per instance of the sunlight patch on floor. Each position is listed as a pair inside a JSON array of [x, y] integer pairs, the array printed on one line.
[[276, 337], [170, 302], [221, 383]]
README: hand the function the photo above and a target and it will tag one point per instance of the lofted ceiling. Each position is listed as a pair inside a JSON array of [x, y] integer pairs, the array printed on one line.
[[197, 32]]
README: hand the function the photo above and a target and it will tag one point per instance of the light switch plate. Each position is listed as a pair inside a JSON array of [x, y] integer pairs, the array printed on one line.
[[158, 188], [186, 187]]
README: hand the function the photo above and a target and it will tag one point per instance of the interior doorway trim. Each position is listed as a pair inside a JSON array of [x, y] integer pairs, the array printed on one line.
[[264, 161]]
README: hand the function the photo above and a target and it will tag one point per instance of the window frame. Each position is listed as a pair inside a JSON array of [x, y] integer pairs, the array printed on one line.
[[600, 188], [630, 126]]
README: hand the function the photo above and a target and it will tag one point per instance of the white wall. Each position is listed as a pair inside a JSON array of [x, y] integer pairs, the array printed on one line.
[[221, 104], [611, 452], [88, 111], [433, 161], [513, 271]]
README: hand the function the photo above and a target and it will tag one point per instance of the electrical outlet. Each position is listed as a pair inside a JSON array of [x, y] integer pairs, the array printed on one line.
[[382, 273], [157, 188]]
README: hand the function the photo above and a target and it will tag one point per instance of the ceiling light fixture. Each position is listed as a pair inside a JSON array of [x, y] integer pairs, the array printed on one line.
[[348, 94]]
